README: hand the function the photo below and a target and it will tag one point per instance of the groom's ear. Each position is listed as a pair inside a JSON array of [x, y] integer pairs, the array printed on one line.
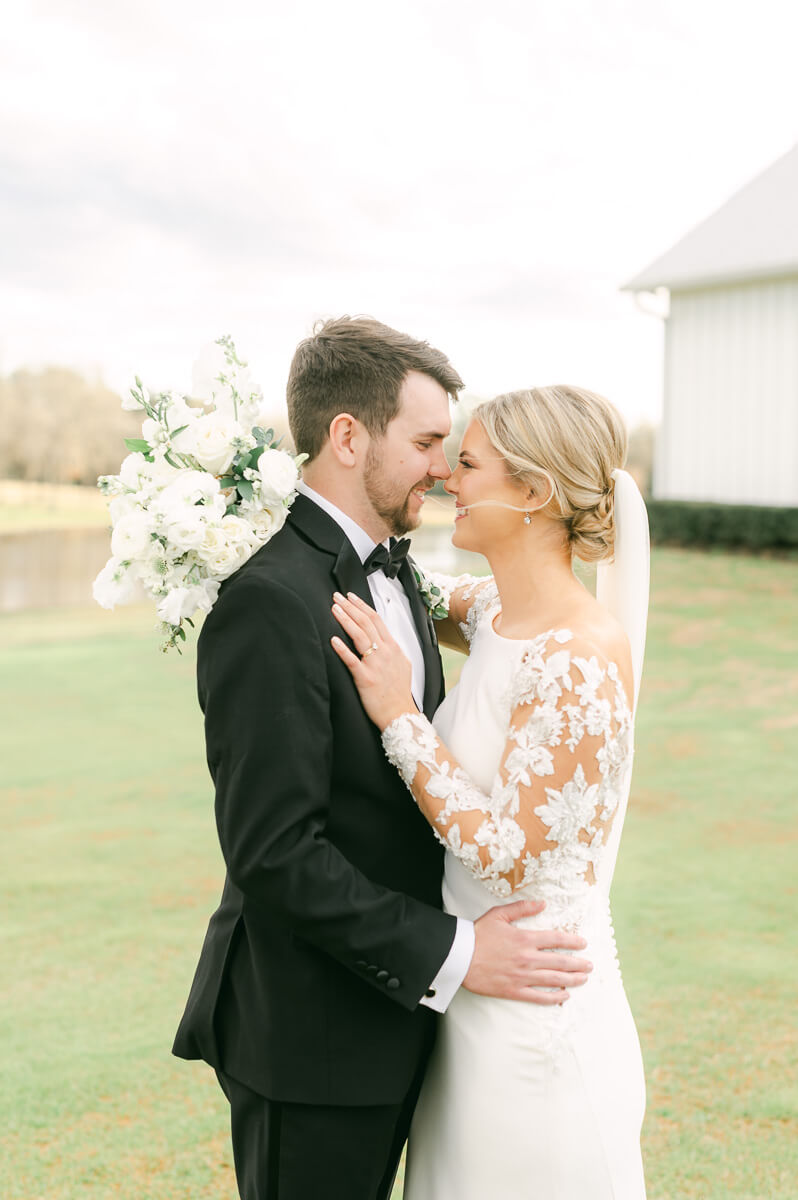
[[348, 439]]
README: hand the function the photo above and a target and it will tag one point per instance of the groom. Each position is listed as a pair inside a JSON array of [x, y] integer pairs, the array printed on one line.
[[323, 967]]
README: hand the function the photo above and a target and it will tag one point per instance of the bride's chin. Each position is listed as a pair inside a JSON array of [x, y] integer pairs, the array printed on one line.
[[458, 539]]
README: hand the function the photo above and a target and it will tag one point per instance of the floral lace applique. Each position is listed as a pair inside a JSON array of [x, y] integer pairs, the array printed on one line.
[[563, 772]]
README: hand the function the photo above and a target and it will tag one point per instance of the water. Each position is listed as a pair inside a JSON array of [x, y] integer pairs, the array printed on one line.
[[50, 568], [56, 568]]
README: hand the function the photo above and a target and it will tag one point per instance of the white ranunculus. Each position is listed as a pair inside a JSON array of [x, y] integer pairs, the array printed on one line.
[[187, 488], [205, 373], [115, 584], [279, 475], [132, 535], [187, 531], [210, 440]]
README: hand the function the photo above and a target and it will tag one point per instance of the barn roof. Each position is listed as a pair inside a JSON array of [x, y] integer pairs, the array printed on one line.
[[753, 235]]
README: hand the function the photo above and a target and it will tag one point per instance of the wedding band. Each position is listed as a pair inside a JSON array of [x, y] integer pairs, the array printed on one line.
[[370, 650]]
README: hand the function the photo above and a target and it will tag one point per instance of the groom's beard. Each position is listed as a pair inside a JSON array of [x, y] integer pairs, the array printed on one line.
[[393, 507]]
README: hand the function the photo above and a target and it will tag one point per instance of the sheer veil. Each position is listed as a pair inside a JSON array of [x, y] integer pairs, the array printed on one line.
[[622, 584]]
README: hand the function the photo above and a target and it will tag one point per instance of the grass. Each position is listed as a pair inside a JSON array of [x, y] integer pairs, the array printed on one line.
[[110, 869]]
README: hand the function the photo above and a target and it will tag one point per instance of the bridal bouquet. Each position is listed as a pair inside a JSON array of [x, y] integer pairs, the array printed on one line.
[[203, 488]]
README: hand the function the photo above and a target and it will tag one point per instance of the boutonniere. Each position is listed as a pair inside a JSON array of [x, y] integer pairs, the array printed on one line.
[[436, 602]]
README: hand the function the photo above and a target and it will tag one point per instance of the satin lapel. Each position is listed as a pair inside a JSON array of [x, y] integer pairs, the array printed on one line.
[[433, 672], [349, 574], [319, 527]]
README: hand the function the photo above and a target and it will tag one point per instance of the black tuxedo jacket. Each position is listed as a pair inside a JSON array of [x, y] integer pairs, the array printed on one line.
[[329, 929]]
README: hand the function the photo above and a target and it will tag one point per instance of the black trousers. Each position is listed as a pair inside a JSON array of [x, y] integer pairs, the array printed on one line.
[[288, 1151]]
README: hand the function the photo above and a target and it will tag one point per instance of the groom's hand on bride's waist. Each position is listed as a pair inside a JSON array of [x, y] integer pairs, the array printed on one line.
[[523, 964]]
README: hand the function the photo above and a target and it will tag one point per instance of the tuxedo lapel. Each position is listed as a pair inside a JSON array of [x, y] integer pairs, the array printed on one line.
[[318, 527], [433, 674], [349, 573]]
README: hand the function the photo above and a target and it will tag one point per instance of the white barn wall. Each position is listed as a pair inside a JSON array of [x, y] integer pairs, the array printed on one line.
[[730, 425]]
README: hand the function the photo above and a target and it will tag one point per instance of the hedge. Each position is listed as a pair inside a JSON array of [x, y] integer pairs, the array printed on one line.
[[750, 527]]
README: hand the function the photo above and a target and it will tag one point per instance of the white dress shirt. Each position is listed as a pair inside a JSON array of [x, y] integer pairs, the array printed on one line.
[[392, 604]]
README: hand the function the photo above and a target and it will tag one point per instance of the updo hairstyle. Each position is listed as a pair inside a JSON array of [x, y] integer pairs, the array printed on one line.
[[563, 442]]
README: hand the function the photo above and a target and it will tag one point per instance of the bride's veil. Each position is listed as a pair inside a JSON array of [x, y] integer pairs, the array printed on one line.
[[622, 584]]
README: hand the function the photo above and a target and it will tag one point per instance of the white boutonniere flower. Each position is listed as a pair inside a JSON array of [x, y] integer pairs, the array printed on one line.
[[434, 597]]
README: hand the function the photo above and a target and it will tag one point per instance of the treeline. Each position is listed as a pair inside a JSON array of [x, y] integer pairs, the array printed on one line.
[[59, 427]]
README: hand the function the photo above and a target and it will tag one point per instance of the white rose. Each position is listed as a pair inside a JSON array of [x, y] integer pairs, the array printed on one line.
[[132, 535], [115, 584], [225, 547], [267, 521], [279, 475], [210, 439]]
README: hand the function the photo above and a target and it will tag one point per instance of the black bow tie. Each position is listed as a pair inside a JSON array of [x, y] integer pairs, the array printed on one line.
[[388, 561]]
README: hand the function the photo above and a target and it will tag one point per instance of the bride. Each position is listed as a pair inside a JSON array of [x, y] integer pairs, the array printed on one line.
[[524, 776]]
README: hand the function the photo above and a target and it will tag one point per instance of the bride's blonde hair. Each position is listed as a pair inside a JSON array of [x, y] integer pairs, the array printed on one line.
[[564, 442]]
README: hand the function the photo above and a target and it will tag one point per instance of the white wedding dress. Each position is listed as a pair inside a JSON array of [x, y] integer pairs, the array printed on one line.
[[521, 1101]]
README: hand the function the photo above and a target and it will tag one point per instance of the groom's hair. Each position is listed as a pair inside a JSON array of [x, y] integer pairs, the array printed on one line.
[[355, 365]]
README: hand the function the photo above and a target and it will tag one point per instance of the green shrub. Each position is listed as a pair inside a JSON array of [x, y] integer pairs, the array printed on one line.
[[750, 527]]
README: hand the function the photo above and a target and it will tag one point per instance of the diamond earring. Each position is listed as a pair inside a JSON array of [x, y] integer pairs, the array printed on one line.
[[527, 518]]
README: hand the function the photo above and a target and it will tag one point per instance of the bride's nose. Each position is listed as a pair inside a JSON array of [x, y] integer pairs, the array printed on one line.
[[449, 484]]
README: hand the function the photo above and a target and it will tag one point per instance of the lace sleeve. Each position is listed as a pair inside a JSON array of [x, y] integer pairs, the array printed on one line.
[[464, 597], [561, 776]]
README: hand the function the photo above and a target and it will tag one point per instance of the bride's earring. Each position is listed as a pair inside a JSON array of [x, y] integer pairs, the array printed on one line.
[[527, 518]]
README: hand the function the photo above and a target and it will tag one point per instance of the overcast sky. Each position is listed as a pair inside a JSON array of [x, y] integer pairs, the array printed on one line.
[[485, 175]]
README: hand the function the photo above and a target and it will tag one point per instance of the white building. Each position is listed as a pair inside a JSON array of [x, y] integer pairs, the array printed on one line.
[[730, 422]]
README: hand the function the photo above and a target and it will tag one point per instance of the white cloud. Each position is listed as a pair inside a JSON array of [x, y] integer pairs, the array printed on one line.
[[484, 177]]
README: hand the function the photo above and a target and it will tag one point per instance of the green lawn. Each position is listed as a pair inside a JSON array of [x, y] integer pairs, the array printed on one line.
[[110, 869]]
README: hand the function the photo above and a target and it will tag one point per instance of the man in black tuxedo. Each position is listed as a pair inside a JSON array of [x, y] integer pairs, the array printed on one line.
[[316, 990]]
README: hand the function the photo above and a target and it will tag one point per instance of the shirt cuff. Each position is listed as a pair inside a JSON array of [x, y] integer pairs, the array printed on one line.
[[454, 969]]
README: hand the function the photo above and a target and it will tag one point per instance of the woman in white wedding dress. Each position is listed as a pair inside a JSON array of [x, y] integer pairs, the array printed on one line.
[[524, 775]]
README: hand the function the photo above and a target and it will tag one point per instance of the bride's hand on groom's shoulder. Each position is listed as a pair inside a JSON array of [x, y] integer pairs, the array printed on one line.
[[524, 964], [380, 669]]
